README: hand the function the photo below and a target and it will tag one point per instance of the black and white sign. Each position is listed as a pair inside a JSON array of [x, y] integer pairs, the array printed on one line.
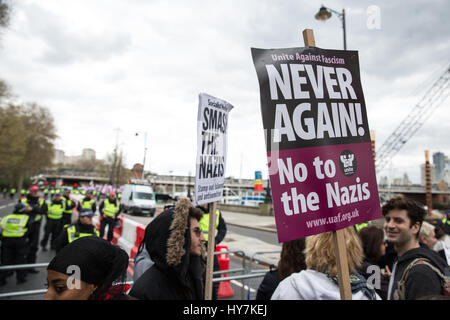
[[212, 126]]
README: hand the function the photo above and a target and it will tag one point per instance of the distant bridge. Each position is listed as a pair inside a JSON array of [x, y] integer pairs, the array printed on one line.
[[173, 185]]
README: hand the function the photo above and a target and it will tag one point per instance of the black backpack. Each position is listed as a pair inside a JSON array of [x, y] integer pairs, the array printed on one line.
[[400, 293]]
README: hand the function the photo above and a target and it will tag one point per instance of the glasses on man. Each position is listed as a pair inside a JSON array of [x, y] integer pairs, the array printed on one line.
[[197, 231]]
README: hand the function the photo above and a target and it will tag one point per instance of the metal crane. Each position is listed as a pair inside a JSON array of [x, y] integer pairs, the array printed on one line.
[[432, 99]]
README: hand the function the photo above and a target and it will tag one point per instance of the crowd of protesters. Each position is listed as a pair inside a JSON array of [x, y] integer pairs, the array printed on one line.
[[406, 259], [415, 250], [307, 269]]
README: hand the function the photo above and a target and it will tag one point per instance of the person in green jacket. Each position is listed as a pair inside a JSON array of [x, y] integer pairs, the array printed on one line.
[[12, 193], [14, 230]]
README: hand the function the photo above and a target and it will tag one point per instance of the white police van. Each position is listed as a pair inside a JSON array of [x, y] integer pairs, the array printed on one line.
[[138, 199]]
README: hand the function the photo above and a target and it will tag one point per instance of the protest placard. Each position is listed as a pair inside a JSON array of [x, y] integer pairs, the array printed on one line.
[[321, 167], [212, 125]]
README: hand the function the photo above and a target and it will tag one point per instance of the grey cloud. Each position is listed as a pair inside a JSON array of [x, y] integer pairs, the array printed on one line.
[[65, 45], [66, 48]]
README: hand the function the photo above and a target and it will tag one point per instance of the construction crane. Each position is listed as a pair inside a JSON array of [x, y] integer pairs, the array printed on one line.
[[432, 99]]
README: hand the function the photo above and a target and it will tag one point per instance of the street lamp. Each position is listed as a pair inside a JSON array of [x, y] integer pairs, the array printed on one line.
[[325, 14], [145, 150]]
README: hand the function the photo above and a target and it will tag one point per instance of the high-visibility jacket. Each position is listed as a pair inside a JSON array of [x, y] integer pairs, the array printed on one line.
[[87, 204], [55, 211], [45, 190], [23, 191], [204, 223], [13, 190], [73, 234], [360, 226], [446, 221], [111, 208], [41, 202], [14, 225], [68, 204]]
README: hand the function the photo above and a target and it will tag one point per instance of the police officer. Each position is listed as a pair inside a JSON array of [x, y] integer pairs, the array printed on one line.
[[54, 221], [88, 202], [45, 191], [362, 225], [446, 222], [14, 241], [221, 228], [70, 204], [12, 193], [83, 227], [35, 208], [109, 210]]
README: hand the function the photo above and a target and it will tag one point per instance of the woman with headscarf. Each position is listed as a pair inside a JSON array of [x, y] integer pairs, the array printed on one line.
[[88, 268], [174, 241]]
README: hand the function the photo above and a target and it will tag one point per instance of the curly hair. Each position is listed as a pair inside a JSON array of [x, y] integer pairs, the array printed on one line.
[[321, 252], [416, 213], [292, 258]]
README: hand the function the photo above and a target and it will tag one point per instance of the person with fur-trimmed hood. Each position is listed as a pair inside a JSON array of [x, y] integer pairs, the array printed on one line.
[[176, 244]]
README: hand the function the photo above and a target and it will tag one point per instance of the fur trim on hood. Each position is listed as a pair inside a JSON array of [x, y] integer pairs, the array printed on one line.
[[167, 238], [175, 274], [178, 227]]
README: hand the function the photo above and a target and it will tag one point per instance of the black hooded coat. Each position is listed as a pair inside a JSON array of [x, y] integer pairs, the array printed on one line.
[[422, 280], [175, 274]]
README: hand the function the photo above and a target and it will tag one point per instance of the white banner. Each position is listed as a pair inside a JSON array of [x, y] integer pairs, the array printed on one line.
[[212, 125]]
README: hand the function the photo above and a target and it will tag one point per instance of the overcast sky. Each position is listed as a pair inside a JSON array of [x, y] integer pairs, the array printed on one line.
[[139, 65]]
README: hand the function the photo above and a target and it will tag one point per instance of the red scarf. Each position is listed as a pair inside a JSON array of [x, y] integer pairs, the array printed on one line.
[[114, 291]]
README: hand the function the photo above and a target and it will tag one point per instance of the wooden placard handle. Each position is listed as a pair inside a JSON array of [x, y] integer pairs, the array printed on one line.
[[338, 236], [210, 250]]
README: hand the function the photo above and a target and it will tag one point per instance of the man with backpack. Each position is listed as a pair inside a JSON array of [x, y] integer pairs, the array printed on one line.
[[418, 271]]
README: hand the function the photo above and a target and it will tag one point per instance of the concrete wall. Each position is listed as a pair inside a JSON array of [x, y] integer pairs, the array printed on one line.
[[238, 208], [263, 209]]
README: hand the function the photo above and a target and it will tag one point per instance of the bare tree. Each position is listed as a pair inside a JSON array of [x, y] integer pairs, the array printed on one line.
[[12, 142], [5, 13], [117, 173], [27, 141]]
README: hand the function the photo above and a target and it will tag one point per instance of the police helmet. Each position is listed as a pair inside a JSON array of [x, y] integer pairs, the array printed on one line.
[[86, 213]]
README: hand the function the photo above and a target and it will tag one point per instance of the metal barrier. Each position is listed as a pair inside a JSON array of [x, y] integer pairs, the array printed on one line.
[[23, 266], [243, 269], [251, 271], [248, 273]]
